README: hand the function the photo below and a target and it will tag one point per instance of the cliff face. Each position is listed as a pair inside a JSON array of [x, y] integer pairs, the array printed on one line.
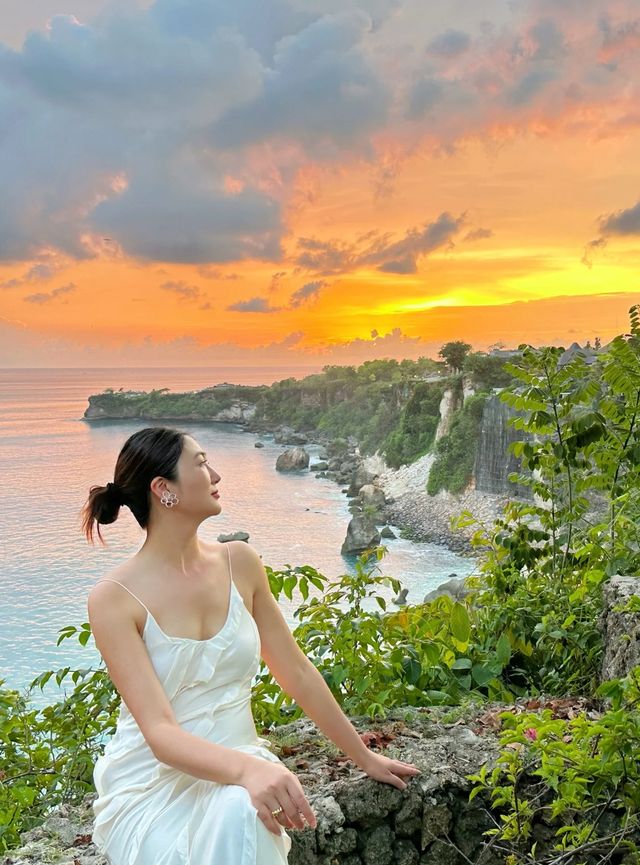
[[494, 461], [452, 400]]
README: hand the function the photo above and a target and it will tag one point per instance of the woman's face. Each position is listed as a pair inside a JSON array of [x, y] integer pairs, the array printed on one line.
[[197, 479]]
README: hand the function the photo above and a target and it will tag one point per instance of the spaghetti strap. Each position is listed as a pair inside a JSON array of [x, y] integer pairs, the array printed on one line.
[[230, 571], [108, 580]]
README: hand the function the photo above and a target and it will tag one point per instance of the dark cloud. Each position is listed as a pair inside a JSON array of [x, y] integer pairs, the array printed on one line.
[[327, 257], [131, 125], [322, 88], [306, 292], [549, 40], [401, 256], [182, 289], [262, 25], [530, 85], [332, 256], [39, 272], [478, 234], [172, 220], [424, 95], [49, 296], [254, 304], [113, 126], [450, 43], [622, 221], [590, 248]]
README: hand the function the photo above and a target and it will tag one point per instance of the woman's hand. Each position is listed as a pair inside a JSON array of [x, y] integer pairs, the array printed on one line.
[[388, 770], [271, 786]]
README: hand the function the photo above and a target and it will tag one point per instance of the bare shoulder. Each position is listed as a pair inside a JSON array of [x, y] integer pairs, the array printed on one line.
[[246, 555], [117, 622], [106, 600], [248, 567]]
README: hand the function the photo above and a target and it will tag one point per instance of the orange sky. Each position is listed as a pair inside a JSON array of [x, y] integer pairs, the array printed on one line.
[[507, 209]]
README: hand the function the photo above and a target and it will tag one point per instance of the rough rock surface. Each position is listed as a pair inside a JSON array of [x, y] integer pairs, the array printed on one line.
[[361, 534], [621, 631], [428, 518], [292, 460]]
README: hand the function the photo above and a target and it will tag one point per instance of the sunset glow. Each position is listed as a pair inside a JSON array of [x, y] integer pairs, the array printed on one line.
[[315, 182]]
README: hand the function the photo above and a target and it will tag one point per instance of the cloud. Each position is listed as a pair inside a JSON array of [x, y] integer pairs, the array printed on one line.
[[38, 272], [618, 38], [49, 296], [187, 292], [322, 92], [176, 220], [450, 43], [179, 130], [309, 290], [209, 272], [254, 304], [325, 256], [622, 222], [400, 256], [478, 234]]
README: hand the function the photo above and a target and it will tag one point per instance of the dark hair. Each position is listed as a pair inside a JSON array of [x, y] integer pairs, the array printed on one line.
[[147, 453]]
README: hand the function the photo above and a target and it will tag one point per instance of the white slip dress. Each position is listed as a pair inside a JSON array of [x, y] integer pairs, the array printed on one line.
[[149, 813]]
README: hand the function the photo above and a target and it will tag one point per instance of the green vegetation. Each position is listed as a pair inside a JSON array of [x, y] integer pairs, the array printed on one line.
[[387, 405], [528, 629]]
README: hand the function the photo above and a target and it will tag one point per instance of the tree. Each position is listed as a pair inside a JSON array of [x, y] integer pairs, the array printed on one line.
[[454, 354]]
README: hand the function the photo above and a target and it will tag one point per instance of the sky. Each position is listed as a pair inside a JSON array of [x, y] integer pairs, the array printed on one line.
[[300, 182]]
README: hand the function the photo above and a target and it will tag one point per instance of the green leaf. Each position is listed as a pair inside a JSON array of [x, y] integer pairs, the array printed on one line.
[[482, 673], [503, 649], [460, 625]]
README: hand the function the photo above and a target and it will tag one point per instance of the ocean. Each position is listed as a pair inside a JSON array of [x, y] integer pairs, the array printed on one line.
[[50, 456]]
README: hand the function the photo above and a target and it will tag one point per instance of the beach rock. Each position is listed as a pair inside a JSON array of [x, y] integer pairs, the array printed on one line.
[[386, 532], [373, 496], [234, 536], [453, 587], [292, 460], [361, 477], [287, 435], [258, 445], [361, 535], [401, 597]]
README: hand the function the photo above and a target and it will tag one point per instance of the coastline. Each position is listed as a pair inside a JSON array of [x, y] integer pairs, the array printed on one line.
[[408, 506], [427, 517]]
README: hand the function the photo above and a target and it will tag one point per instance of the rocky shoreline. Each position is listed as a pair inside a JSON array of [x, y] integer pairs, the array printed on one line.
[[402, 499], [426, 517]]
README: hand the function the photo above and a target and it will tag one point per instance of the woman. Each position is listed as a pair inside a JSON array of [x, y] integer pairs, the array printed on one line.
[[186, 778]]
